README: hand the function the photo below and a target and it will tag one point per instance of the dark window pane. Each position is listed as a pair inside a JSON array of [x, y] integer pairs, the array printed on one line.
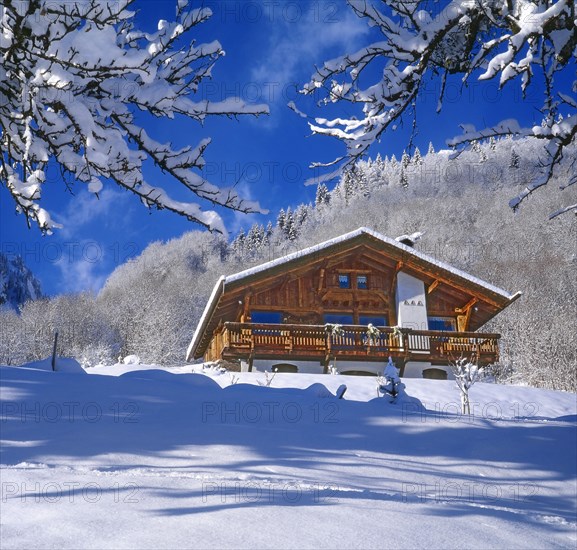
[[362, 282], [376, 321], [266, 317], [344, 281], [442, 323]]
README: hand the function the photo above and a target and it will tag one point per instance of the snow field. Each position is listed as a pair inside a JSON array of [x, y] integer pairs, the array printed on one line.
[[135, 456]]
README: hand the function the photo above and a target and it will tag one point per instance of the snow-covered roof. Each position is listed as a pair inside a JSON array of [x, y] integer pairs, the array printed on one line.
[[314, 250]]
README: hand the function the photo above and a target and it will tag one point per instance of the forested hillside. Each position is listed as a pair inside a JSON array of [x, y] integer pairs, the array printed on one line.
[[150, 305]]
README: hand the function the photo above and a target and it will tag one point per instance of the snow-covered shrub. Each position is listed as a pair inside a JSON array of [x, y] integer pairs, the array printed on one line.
[[267, 378], [466, 374]]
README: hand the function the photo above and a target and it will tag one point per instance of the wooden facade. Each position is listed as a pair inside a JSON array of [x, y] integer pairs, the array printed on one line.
[[352, 280]]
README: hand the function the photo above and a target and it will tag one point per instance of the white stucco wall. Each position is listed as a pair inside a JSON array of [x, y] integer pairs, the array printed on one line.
[[411, 302], [413, 369], [314, 367]]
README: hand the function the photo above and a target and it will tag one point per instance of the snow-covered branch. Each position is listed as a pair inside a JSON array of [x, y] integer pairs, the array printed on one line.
[[504, 40], [73, 76]]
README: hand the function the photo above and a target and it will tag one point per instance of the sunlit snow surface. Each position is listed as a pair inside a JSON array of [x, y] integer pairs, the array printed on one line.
[[165, 458]]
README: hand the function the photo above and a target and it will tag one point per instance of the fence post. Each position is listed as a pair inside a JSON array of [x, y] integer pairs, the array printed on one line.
[[54, 351]]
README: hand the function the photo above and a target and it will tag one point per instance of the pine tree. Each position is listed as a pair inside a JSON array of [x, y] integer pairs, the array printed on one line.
[[431, 150], [346, 187], [301, 214], [255, 238], [514, 163], [417, 158], [238, 244], [404, 180], [289, 228], [281, 219], [363, 186], [405, 160], [492, 143], [380, 165], [322, 196], [476, 147]]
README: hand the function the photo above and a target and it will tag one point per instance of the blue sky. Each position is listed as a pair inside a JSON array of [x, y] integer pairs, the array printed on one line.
[[271, 47]]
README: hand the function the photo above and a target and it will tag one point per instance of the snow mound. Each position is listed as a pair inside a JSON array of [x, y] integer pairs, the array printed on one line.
[[131, 360], [161, 375], [63, 364]]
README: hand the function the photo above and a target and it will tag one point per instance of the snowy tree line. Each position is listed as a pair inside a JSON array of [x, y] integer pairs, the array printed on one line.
[[150, 305]]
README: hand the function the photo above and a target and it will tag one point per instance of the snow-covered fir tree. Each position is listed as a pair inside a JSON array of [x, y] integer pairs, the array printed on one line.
[[281, 219], [238, 244], [322, 195], [405, 160], [17, 283], [403, 179], [268, 232], [417, 158], [514, 162], [477, 148], [302, 212]]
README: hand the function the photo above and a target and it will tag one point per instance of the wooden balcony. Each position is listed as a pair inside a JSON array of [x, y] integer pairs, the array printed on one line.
[[314, 342]]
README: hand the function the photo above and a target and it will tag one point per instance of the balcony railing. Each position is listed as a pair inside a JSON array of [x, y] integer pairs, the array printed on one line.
[[352, 342]]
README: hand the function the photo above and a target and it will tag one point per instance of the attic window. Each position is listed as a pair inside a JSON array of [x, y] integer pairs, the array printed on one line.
[[362, 282], [344, 280]]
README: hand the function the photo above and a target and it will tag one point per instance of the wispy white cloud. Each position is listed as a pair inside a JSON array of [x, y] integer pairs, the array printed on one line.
[[84, 249], [295, 48], [86, 207], [79, 271]]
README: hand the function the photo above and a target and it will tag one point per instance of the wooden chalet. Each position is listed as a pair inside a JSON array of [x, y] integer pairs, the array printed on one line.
[[311, 309]]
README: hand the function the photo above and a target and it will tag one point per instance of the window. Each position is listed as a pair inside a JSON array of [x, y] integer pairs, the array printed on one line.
[[266, 317], [376, 321], [442, 323], [435, 374], [362, 282], [338, 318], [344, 280], [284, 367]]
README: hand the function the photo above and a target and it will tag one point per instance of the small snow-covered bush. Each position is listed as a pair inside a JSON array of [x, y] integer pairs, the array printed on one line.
[[466, 374]]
